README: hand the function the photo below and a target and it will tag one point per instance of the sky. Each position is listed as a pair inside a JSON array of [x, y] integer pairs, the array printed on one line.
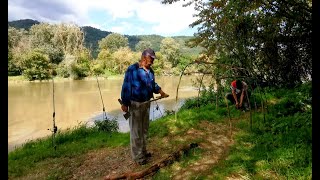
[[127, 17]]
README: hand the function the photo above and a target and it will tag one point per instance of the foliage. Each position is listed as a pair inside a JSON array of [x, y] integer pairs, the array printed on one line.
[[281, 144], [69, 37], [270, 38], [158, 64], [36, 66], [113, 42], [169, 48], [122, 58], [142, 45], [107, 125], [23, 23], [18, 46], [91, 37]]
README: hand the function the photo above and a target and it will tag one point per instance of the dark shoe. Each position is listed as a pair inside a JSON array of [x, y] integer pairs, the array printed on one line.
[[142, 162], [148, 154]]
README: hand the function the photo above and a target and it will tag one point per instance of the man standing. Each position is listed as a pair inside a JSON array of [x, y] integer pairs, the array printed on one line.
[[138, 88], [238, 95]]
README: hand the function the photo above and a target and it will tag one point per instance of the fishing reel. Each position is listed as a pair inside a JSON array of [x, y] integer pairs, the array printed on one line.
[[55, 129]]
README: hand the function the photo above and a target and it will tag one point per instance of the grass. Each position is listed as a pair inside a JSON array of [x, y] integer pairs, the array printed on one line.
[[278, 146]]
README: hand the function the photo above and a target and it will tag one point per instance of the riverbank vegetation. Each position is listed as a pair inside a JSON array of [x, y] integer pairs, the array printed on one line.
[[273, 141]]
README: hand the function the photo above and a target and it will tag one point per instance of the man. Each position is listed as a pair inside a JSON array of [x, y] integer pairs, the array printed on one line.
[[238, 95], [138, 88]]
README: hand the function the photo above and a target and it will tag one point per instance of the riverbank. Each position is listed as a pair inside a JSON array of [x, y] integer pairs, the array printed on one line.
[[232, 145], [21, 79], [77, 101]]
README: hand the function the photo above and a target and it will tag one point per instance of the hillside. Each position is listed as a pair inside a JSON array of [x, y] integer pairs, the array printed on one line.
[[93, 35]]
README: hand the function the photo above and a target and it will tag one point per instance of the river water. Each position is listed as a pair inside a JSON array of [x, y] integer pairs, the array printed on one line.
[[31, 104]]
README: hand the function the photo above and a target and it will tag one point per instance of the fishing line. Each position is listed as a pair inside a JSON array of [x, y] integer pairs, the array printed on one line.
[[55, 128], [157, 108], [103, 109]]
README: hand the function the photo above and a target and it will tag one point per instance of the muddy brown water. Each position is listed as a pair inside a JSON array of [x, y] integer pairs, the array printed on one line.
[[31, 104]]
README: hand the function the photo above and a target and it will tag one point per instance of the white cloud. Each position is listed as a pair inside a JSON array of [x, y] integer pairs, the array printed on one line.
[[164, 18]]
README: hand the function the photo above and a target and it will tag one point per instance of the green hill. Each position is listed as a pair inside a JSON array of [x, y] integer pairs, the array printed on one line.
[[93, 35]]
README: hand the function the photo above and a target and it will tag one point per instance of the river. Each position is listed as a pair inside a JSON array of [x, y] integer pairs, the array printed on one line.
[[31, 104]]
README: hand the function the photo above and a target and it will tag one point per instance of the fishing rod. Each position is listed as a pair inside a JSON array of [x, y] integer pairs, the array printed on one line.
[[127, 114], [55, 128], [103, 109]]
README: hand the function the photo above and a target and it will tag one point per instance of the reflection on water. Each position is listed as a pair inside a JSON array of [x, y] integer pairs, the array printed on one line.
[[31, 105]]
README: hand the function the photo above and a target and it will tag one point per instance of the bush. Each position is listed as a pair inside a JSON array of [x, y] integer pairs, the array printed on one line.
[[107, 125], [36, 66]]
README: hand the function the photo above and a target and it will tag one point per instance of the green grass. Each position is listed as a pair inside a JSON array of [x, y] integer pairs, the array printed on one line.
[[70, 143], [278, 146]]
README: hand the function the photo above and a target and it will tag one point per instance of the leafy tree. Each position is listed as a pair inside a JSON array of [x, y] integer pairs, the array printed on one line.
[[14, 37], [158, 64], [113, 42], [41, 34], [123, 57], [18, 46], [70, 37], [269, 38], [103, 61], [142, 45], [36, 66], [169, 48]]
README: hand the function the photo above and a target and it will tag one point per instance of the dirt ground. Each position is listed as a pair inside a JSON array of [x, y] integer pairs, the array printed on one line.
[[214, 139]]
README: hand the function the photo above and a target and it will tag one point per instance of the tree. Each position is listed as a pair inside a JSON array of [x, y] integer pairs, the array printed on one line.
[[36, 66], [123, 57], [41, 37], [113, 42], [169, 48], [142, 45], [70, 37], [270, 38], [14, 37], [19, 45]]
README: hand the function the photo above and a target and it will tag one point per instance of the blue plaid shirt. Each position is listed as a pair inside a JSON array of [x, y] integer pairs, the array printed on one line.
[[138, 85]]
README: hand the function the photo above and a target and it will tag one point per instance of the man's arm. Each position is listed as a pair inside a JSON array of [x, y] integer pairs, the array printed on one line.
[[235, 97], [243, 91], [126, 91], [241, 97]]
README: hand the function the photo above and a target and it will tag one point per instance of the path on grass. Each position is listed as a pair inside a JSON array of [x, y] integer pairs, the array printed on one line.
[[213, 139]]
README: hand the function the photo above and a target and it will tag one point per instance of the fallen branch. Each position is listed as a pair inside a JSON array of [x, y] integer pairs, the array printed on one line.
[[154, 168]]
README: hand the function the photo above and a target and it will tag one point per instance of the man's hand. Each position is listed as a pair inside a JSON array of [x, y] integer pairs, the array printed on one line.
[[163, 94], [124, 108], [237, 105]]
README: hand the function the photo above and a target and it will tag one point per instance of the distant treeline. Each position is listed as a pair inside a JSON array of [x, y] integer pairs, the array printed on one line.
[[45, 50], [93, 35]]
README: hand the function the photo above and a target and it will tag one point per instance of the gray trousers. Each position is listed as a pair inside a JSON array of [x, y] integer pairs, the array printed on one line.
[[139, 125]]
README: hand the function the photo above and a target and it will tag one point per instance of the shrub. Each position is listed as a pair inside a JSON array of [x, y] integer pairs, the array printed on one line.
[[107, 125]]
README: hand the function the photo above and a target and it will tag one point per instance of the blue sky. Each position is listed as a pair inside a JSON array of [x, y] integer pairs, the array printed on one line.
[[129, 17]]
